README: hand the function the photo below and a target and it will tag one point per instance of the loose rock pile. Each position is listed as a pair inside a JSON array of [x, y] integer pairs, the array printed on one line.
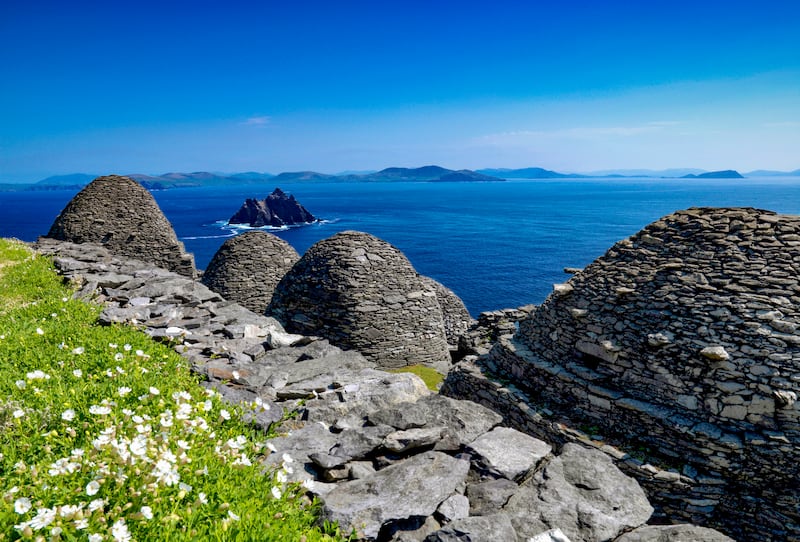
[[118, 213], [246, 268], [682, 341], [388, 457], [362, 293]]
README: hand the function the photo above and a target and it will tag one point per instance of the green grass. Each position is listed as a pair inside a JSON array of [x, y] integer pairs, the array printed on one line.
[[104, 432], [433, 379]]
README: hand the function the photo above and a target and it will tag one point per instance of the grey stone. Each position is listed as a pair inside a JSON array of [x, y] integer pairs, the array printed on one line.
[[453, 508], [488, 497], [582, 493], [415, 487], [476, 529], [509, 452], [673, 533], [411, 439]]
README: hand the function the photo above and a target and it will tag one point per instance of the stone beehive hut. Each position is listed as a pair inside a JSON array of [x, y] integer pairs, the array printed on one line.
[[246, 268], [362, 293], [118, 213], [686, 337], [455, 314]]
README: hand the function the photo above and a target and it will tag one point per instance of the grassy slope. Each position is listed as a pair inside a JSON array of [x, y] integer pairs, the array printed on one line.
[[104, 432]]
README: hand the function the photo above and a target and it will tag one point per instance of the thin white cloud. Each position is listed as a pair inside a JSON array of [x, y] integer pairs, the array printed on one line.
[[578, 132], [257, 121]]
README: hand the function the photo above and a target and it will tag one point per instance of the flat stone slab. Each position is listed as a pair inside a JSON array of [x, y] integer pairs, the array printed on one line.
[[414, 487], [509, 452], [582, 493], [673, 533], [494, 528]]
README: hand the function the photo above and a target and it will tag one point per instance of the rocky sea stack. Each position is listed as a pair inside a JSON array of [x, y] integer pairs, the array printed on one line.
[[119, 214], [278, 209], [246, 268], [362, 293]]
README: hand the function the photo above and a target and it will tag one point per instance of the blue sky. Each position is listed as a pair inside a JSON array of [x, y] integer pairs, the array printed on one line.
[[151, 87]]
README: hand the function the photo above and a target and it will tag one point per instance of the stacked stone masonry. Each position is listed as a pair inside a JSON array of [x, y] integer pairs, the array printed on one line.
[[246, 268], [119, 214], [388, 458], [456, 318], [683, 340], [362, 293]]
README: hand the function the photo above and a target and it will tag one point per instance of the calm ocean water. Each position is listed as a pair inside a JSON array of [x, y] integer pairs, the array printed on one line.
[[496, 245]]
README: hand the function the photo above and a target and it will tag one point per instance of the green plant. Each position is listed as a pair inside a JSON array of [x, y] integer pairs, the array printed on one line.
[[432, 378], [107, 435]]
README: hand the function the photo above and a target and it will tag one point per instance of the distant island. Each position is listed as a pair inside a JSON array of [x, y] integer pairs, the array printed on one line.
[[76, 181], [724, 174]]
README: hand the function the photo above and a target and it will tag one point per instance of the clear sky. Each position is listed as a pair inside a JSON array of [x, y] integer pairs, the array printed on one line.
[[138, 86]]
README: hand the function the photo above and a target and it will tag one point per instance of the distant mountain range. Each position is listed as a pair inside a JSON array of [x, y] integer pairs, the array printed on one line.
[[420, 174]]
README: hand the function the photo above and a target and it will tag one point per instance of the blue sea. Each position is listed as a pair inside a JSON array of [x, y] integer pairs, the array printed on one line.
[[497, 245]]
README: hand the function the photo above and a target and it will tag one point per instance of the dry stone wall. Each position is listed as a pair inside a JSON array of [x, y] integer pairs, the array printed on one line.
[[121, 215], [246, 268], [362, 293], [683, 340]]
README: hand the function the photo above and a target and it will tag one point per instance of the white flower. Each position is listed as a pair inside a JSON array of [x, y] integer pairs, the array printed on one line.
[[68, 415], [147, 512], [78, 351], [77, 373], [39, 331], [224, 414], [94, 537], [164, 472], [96, 504], [138, 445], [272, 447], [308, 483], [154, 391], [287, 458], [81, 524], [55, 532], [123, 391], [207, 405], [233, 516], [113, 346], [181, 396], [236, 375], [120, 531], [18, 413], [43, 518], [182, 444], [38, 374], [99, 410], [20, 384], [126, 347], [202, 498], [281, 477], [92, 488], [22, 505], [69, 510], [276, 492], [118, 356]]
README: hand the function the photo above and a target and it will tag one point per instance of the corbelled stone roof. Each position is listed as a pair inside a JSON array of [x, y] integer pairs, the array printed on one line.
[[362, 293], [456, 316], [246, 268], [687, 336], [118, 213]]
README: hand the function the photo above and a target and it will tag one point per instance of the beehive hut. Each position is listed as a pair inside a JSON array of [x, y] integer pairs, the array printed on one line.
[[362, 293], [119, 214], [246, 268], [685, 339], [455, 315]]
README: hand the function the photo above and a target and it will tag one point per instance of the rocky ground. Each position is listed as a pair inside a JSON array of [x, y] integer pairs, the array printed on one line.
[[388, 457]]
